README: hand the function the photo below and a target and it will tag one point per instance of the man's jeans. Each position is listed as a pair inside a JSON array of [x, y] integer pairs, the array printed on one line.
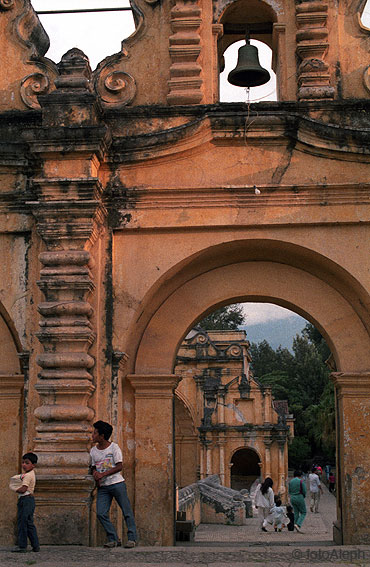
[[26, 527], [103, 504]]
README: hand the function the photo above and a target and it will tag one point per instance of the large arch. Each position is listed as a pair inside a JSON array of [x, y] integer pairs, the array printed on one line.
[[291, 276], [292, 287]]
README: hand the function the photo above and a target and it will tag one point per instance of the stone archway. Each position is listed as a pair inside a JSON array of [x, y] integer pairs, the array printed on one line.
[[245, 468], [322, 293], [11, 418]]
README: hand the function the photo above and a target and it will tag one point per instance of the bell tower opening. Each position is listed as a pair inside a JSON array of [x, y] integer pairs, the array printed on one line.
[[231, 93], [251, 61]]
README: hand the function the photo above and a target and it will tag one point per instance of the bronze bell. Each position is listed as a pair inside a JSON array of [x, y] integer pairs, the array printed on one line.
[[248, 71]]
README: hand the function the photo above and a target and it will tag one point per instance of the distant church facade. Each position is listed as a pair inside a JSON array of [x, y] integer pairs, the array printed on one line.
[[226, 422]]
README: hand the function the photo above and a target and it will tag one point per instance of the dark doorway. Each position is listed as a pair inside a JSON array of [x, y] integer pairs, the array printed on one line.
[[245, 469]]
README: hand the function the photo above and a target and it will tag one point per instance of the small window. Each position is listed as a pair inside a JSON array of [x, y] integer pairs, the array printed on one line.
[[97, 33]]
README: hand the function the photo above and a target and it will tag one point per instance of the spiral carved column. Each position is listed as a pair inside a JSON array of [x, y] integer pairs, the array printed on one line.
[[70, 215]]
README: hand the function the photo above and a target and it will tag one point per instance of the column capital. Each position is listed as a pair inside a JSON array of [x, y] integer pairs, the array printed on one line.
[[154, 385], [352, 384]]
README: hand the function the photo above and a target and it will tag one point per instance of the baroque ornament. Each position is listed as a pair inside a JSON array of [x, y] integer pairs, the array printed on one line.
[[6, 4], [31, 87], [116, 88]]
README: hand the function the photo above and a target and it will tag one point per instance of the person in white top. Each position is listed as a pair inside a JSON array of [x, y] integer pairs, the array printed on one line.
[[106, 465], [264, 502], [315, 490], [26, 505]]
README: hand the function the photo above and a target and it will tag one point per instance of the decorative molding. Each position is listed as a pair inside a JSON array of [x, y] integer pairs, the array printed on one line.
[[115, 88], [11, 386], [185, 84], [352, 384], [31, 33], [312, 46], [6, 4], [154, 385], [32, 86]]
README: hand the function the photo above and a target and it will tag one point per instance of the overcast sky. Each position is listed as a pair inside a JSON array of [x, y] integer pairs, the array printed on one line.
[[82, 30]]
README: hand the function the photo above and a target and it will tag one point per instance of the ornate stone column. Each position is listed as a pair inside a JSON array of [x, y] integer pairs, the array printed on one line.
[[185, 84], [353, 456], [67, 205], [154, 457], [312, 46]]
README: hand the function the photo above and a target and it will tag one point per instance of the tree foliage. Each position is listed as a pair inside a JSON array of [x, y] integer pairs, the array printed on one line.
[[228, 318], [302, 378]]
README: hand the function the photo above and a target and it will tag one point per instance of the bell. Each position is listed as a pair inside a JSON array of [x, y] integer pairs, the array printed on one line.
[[248, 71]]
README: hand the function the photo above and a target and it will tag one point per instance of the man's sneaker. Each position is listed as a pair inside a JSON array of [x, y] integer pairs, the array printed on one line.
[[298, 528], [130, 544], [36, 549], [19, 550], [110, 544]]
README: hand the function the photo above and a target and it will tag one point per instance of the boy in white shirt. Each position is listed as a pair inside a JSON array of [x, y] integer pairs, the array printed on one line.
[[106, 464], [26, 505]]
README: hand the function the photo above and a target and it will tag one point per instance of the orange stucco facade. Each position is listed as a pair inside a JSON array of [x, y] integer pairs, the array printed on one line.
[[128, 211]]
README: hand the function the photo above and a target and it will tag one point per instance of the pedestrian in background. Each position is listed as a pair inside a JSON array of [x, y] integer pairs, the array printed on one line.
[[315, 490], [297, 493]]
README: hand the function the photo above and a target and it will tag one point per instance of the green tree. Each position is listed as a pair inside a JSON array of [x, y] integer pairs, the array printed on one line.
[[228, 318], [303, 379]]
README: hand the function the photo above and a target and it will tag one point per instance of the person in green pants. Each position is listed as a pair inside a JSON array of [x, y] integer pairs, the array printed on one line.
[[297, 493]]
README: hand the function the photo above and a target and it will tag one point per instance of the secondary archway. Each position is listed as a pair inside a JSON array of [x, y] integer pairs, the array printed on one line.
[[322, 292], [245, 468]]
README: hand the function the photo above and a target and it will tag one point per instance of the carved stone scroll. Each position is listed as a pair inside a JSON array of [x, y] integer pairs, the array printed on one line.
[[115, 88], [32, 86], [6, 4], [312, 46], [185, 84]]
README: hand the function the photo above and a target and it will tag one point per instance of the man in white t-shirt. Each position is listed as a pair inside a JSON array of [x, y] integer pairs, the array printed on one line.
[[106, 465], [315, 490]]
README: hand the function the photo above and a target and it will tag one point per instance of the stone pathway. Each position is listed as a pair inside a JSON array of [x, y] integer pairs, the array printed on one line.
[[317, 528], [216, 546]]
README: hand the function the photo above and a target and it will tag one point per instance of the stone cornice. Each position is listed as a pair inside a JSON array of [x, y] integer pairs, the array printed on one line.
[[352, 384], [154, 385], [168, 199], [260, 126], [11, 385]]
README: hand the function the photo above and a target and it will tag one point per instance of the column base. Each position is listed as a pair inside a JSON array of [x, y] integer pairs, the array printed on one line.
[[63, 509]]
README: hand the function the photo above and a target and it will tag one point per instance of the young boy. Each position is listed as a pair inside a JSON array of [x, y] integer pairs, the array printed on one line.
[[279, 517], [106, 464], [26, 506]]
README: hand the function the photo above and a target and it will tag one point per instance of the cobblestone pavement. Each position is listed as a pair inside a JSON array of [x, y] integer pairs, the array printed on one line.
[[216, 546]]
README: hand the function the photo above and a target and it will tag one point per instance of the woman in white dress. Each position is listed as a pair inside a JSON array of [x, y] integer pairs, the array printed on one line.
[[264, 501]]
